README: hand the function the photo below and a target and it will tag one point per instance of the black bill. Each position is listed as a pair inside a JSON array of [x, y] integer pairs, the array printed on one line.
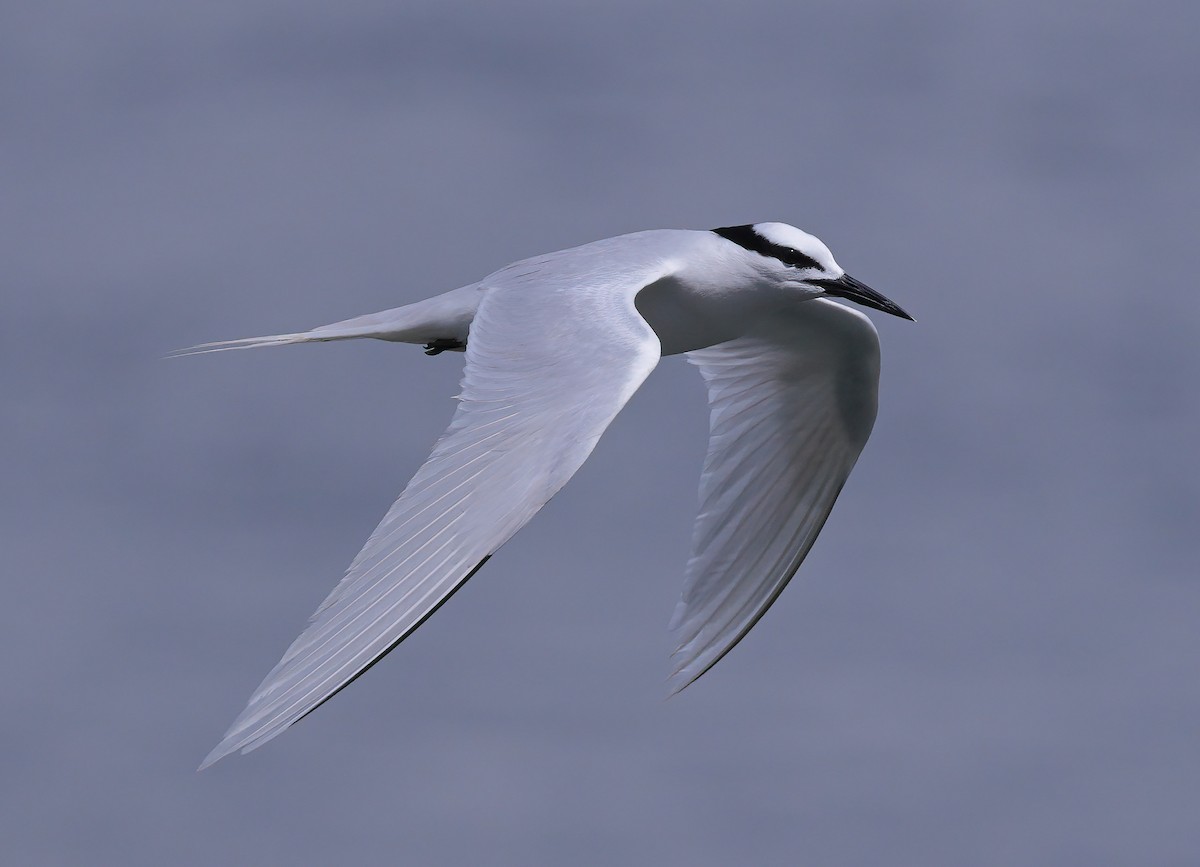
[[860, 293]]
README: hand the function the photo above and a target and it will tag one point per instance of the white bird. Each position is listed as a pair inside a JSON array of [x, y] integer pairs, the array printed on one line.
[[555, 345]]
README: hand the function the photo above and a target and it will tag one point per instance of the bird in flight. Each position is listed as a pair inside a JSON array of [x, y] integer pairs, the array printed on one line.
[[555, 345]]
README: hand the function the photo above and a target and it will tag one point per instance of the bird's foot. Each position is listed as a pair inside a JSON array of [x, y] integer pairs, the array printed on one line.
[[444, 343]]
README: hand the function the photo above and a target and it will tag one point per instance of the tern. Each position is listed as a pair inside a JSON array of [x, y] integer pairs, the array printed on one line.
[[555, 345]]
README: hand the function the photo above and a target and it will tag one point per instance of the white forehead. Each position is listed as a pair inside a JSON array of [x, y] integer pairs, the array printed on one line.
[[789, 236]]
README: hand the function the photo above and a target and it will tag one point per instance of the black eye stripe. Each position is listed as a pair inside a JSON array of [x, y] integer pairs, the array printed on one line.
[[745, 236]]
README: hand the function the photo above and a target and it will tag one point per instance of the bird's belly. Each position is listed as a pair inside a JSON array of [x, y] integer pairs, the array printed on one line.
[[685, 319]]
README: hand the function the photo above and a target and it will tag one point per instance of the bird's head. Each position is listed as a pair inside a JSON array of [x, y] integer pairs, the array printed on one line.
[[801, 261]]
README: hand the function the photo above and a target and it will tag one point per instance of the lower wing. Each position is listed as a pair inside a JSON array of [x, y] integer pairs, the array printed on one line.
[[792, 404]]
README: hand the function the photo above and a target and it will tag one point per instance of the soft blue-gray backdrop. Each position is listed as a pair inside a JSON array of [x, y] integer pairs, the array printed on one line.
[[990, 657]]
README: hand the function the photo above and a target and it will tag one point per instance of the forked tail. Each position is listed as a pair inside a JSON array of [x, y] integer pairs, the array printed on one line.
[[441, 323], [248, 343]]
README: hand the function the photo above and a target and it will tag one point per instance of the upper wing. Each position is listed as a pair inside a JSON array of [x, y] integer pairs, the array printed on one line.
[[549, 364], [792, 405]]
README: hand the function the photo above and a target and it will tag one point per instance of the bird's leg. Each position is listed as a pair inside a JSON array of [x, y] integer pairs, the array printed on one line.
[[442, 344]]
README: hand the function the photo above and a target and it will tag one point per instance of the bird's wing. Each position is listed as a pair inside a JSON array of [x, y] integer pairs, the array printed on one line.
[[792, 404], [549, 364]]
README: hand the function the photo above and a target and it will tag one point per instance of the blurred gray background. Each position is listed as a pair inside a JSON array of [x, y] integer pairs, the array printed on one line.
[[990, 657]]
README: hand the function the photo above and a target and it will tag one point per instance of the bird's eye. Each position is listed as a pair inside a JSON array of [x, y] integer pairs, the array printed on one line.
[[796, 259]]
